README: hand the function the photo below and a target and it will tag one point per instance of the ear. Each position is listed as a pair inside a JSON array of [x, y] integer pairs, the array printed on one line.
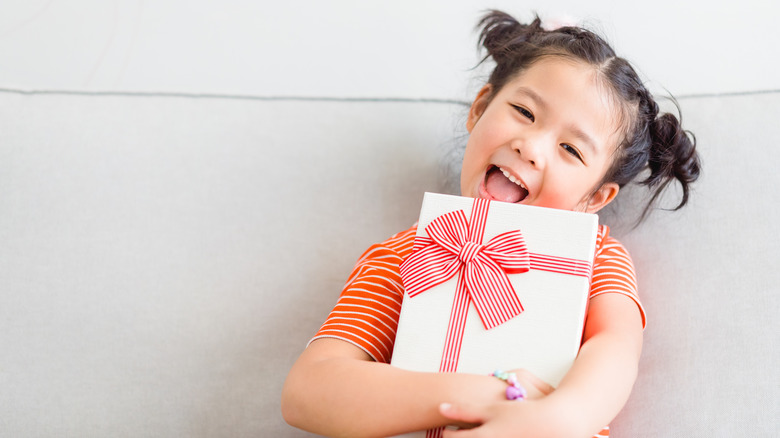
[[603, 196], [478, 106]]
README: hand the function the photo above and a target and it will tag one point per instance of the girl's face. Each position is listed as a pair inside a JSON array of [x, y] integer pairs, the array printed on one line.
[[545, 139]]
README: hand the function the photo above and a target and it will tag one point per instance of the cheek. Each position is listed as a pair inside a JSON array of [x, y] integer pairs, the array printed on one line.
[[561, 201], [573, 195], [467, 171], [472, 156], [480, 146], [488, 134], [472, 169], [483, 140]]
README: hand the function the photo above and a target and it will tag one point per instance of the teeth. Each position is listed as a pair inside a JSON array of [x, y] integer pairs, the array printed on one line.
[[512, 178]]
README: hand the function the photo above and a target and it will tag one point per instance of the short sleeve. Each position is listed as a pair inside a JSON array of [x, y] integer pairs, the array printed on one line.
[[613, 270], [367, 311]]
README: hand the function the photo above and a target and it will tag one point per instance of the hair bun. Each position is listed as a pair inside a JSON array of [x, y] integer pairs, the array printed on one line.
[[500, 32], [673, 156]]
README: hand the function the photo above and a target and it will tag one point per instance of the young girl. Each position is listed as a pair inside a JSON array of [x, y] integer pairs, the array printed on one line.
[[562, 123]]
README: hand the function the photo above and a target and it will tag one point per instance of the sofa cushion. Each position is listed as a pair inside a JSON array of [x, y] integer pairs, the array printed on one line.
[[164, 258]]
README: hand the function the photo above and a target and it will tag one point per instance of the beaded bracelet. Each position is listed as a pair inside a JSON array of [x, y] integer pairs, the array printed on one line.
[[514, 391]]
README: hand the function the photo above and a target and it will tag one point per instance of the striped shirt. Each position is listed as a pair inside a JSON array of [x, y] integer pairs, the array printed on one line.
[[368, 309]]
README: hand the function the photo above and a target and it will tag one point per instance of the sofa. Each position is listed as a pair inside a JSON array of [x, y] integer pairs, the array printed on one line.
[[164, 258]]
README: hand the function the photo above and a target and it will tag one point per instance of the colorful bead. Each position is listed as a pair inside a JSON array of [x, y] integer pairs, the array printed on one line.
[[514, 391]]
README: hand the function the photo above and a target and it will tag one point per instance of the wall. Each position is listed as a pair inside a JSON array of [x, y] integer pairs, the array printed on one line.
[[348, 48]]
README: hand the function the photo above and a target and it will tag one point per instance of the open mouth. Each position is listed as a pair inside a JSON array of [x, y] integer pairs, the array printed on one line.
[[502, 186]]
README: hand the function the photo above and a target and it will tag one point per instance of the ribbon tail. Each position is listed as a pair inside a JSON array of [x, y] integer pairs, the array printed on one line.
[[493, 295]]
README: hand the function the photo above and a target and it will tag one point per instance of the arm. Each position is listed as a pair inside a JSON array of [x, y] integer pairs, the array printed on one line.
[[600, 381], [335, 388], [590, 395]]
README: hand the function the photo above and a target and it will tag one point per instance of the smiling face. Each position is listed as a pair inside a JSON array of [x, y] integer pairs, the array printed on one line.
[[545, 139]]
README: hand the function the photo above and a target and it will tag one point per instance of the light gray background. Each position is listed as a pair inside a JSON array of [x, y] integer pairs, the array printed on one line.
[[340, 48], [185, 185]]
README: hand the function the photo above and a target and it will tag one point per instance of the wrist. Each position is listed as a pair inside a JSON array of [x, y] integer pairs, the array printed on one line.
[[514, 390], [463, 388], [560, 405]]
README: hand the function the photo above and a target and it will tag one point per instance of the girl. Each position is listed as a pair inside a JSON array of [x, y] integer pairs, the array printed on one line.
[[562, 123]]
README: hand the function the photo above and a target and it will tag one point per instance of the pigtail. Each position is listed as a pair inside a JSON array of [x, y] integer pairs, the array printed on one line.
[[672, 157], [509, 43], [501, 34]]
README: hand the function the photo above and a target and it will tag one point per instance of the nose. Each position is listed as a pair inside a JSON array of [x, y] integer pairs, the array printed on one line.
[[534, 148]]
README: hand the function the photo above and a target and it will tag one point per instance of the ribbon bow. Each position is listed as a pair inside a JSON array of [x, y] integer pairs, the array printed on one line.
[[455, 246]]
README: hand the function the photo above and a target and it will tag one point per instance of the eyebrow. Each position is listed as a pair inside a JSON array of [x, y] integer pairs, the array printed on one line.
[[585, 138], [576, 131], [531, 94]]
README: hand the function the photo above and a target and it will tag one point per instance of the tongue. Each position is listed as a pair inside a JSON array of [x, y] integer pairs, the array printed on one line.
[[501, 189]]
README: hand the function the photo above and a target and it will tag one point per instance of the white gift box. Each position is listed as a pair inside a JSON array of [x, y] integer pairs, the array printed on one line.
[[545, 337]]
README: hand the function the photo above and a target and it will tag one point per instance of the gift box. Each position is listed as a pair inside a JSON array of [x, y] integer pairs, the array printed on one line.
[[492, 285]]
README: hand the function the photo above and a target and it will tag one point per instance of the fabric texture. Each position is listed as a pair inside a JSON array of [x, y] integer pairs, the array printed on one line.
[[368, 309], [366, 314], [159, 279]]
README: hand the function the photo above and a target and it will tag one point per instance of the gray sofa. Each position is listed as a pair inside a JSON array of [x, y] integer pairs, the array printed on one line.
[[165, 258]]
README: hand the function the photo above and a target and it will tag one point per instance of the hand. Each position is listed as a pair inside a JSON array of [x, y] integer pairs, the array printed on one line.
[[515, 419], [525, 418], [535, 387]]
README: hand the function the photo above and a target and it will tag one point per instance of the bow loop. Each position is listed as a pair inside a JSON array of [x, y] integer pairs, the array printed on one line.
[[455, 246], [510, 252], [449, 231]]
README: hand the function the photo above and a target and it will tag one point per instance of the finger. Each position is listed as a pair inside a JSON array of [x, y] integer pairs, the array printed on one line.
[[461, 413], [460, 433], [530, 382], [450, 432]]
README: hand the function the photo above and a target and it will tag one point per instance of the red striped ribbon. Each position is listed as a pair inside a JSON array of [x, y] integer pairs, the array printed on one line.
[[455, 246]]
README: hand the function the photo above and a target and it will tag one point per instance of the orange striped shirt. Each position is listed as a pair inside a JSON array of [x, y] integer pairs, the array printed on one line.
[[368, 309]]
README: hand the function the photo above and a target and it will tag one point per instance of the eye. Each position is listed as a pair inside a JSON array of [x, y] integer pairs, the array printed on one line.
[[527, 114], [572, 150]]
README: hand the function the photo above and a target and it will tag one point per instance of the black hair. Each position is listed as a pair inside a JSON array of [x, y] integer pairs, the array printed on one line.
[[652, 142]]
